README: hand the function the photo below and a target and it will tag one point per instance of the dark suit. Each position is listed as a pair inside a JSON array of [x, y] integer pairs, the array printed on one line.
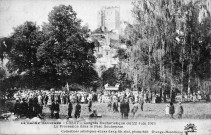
[[90, 105], [52, 109], [70, 109], [24, 109], [31, 112], [77, 111], [17, 108], [56, 110], [124, 109], [115, 107]]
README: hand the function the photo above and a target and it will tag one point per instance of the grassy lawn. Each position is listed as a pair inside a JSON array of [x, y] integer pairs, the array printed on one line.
[[198, 110]]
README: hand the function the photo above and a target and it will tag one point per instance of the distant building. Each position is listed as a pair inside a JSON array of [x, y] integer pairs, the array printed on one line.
[[109, 22], [109, 18], [104, 53], [123, 26]]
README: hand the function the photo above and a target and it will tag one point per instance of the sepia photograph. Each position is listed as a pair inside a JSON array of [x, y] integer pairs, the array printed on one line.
[[105, 67]]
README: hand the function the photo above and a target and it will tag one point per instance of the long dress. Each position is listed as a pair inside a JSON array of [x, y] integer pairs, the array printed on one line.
[[40, 99], [153, 98], [167, 109], [82, 99], [49, 101]]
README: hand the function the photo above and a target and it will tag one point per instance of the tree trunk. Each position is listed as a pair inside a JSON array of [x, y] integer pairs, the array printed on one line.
[[161, 94], [189, 87], [164, 95], [210, 62], [171, 90], [182, 74], [161, 69], [189, 73]]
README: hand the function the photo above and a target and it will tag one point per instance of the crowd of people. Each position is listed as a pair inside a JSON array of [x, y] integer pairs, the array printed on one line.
[[137, 100], [30, 103], [196, 96], [46, 97]]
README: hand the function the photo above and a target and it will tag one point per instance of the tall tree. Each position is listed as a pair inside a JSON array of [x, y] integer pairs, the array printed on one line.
[[66, 50], [166, 44], [22, 56]]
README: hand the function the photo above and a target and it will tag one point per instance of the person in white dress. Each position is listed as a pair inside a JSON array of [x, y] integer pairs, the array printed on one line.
[[83, 98], [49, 100], [136, 98], [39, 99], [167, 109]]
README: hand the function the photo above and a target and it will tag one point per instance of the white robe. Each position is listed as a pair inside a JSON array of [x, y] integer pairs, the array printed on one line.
[[167, 110]]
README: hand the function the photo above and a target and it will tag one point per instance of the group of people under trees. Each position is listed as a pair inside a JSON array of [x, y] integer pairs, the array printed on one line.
[[32, 105], [46, 97], [28, 109], [125, 108]]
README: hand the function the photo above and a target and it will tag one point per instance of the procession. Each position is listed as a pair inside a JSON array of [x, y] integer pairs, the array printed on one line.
[[128, 60], [31, 103]]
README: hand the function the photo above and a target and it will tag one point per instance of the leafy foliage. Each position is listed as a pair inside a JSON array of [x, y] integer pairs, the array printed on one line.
[[110, 76], [66, 50], [54, 55], [170, 46]]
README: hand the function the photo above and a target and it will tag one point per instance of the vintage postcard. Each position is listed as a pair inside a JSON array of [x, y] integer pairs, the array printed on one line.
[[105, 67]]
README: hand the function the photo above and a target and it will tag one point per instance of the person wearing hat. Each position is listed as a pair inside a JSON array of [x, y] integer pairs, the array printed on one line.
[[115, 106], [31, 112], [171, 110], [180, 111], [127, 108], [124, 108], [56, 110], [52, 106], [77, 110], [70, 109], [90, 105], [17, 108], [37, 108], [24, 108]]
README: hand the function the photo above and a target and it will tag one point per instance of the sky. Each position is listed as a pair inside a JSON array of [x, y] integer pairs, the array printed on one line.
[[16, 12]]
